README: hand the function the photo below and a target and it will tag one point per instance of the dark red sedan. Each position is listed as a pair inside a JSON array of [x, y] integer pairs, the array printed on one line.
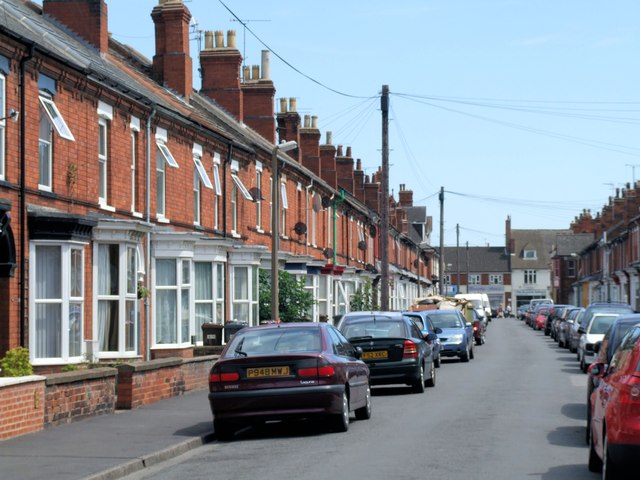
[[288, 370], [615, 411]]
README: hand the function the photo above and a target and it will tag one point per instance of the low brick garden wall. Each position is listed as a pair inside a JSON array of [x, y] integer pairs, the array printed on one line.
[[29, 404]]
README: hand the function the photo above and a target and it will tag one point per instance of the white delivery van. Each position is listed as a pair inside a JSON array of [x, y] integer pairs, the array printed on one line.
[[477, 301]]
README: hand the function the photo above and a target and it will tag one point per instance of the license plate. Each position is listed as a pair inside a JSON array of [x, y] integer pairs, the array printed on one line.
[[375, 355], [267, 372]]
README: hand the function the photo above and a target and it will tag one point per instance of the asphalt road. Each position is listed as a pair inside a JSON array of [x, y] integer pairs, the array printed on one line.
[[516, 411]]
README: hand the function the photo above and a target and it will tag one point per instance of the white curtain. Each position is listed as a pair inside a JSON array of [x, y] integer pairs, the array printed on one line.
[[48, 322], [166, 301]]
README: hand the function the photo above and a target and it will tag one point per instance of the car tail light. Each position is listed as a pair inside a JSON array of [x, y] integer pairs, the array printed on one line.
[[323, 371], [223, 377], [410, 350], [630, 391]]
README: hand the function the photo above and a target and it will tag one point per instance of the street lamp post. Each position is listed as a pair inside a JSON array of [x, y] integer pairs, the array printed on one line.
[[275, 225]]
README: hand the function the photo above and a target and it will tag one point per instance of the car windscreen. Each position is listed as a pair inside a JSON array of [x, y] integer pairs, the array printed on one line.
[[374, 328], [446, 320], [275, 341], [601, 323], [418, 320]]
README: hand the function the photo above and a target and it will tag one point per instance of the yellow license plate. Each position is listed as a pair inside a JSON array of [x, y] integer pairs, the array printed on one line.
[[267, 372], [375, 355]]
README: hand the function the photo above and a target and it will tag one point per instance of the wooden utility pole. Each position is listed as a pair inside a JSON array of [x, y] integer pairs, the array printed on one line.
[[384, 203], [458, 257], [441, 263]]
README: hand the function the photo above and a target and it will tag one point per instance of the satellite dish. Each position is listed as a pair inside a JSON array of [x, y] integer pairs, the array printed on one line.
[[317, 203], [373, 230], [362, 245], [327, 252], [300, 228], [326, 202]]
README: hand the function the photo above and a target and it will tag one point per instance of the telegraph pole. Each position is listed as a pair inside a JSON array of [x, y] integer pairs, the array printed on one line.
[[441, 263], [458, 257], [384, 203]]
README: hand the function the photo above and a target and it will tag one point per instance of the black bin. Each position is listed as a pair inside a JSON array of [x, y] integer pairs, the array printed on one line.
[[211, 334], [230, 328]]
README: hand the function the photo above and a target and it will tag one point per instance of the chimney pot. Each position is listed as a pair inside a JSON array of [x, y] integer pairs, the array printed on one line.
[[219, 36], [231, 38], [314, 122], [329, 138], [348, 151], [208, 40], [307, 121], [358, 164], [339, 154], [283, 105], [246, 73], [292, 104], [255, 72], [266, 65]]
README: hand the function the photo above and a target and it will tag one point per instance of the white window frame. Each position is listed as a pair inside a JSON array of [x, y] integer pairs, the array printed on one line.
[[214, 300], [529, 255], [234, 176], [474, 279], [183, 323], [258, 198], [65, 301], [134, 125], [496, 279], [103, 161], [530, 276], [161, 186], [202, 172], [218, 190], [45, 153], [56, 118], [248, 302], [161, 143], [314, 220], [196, 198], [3, 124], [128, 308]]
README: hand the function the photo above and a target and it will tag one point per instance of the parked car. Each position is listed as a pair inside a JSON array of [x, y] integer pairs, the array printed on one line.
[[605, 350], [479, 325], [614, 444], [610, 307], [457, 333], [555, 313], [540, 316], [288, 370], [573, 333], [564, 327], [597, 327], [393, 347], [426, 326], [521, 311]]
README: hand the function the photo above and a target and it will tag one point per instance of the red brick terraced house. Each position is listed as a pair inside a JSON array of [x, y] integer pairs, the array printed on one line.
[[134, 208]]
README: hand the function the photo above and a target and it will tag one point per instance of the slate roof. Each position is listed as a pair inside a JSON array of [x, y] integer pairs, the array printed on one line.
[[542, 241], [566, 244], [480, 259]]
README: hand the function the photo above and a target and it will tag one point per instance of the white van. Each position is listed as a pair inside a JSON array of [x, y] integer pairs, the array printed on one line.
[[478, 302]]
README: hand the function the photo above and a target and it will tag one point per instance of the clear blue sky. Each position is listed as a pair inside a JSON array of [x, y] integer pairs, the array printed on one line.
[[516, 107]]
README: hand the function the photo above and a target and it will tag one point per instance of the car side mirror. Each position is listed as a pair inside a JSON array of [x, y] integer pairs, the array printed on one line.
[[597, 370], [437, 330], [581, 330], [430, 337], [596, 346], [358, 352]]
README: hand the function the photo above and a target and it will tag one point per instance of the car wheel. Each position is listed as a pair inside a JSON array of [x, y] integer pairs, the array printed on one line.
[[223, 430], [418, 385], [341, 420], [472, 353], [436, 361], [588, 429], [583, 366], [431, 381], [465, 355], [610, 470], [364, 413], [595, 462]]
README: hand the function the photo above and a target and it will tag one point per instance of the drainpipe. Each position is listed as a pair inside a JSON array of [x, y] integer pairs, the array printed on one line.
[[224, 191], [306, 210], [147, 209], [23, 206]]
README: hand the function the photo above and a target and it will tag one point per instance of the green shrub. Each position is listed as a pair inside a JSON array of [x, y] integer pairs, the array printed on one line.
[[16, 363]]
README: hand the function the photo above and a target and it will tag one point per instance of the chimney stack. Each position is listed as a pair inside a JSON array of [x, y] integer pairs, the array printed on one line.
[[344, 168], [288, 125], [259, 93], [87, 18], [172, 64], [220, 68], [328, 162], [405, 197], [310, 144]]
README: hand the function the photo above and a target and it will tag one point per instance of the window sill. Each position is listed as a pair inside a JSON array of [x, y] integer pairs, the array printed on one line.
[[136, 214], [107, 208], [162, 220], [236, 235], [259, 230]]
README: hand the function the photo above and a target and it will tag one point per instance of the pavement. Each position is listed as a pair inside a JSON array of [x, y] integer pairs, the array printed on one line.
[[111, 446]]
